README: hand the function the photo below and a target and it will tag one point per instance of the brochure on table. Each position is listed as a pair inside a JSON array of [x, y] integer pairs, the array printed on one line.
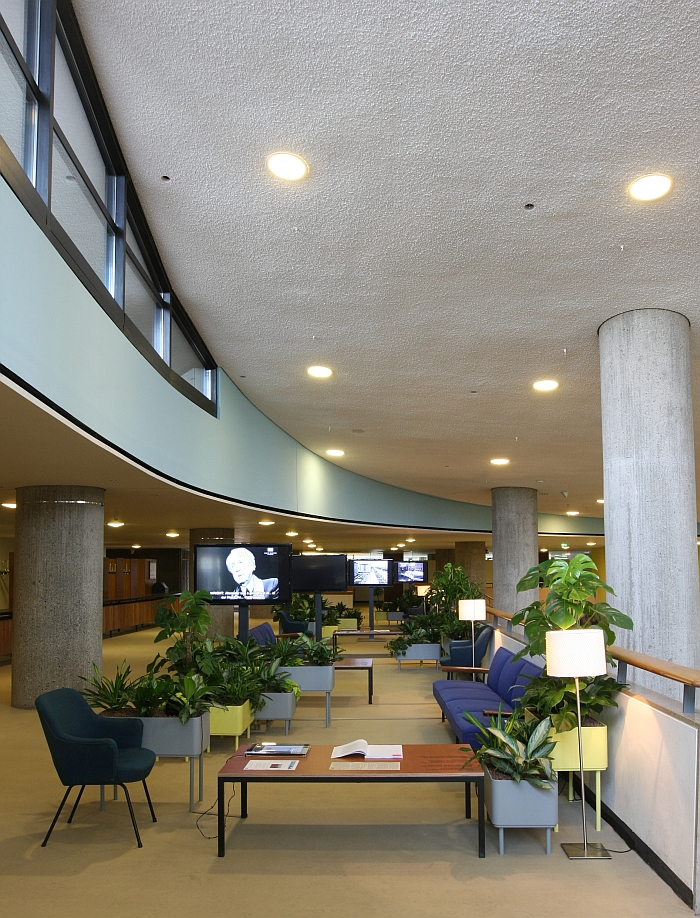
[[362, 747], [271, 765]]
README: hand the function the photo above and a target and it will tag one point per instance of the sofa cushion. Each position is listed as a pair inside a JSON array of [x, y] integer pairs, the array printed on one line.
[[501, 657], [509, 674], [528, 671]]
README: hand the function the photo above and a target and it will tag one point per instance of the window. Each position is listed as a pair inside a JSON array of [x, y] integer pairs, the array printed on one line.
[[186, 363], [54, 123], [18, 104]]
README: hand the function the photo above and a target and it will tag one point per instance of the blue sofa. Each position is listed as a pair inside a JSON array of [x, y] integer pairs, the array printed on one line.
[[504, 684], [263, 635], [461, 651]]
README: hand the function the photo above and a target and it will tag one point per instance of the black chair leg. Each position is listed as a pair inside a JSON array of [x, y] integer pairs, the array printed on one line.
[[75, 805], [131, 813], [58, 813], [148, 797]]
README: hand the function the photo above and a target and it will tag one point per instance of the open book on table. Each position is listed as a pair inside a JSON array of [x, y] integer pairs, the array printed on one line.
[[362, 747]]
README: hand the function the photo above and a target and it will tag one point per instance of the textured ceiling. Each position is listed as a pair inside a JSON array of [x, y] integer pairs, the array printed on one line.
[[407, 260]]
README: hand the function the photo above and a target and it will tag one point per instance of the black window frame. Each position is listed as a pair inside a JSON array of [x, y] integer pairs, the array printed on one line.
[[57, 22]]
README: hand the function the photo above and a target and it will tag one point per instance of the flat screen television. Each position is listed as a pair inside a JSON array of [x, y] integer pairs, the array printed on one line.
[[371, 572], [244, 574], [319, 573], [411, 571]]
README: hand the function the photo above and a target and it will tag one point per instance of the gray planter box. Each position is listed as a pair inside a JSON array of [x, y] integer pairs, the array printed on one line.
[[314, 679], [520, 806], [167, 737], [421, 652], [278, 706]]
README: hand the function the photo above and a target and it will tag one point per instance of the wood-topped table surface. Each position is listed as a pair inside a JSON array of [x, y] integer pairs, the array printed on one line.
[[360, 663], [420, 763]]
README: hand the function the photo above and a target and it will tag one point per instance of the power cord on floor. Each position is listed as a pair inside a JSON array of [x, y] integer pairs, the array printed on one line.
[[215, 815]]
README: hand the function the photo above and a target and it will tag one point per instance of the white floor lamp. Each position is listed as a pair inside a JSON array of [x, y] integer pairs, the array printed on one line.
[[578, 653], [472, 610]]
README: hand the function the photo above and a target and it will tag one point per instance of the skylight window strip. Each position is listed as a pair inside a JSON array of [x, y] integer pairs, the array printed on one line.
[[19, 57], [86, 179]]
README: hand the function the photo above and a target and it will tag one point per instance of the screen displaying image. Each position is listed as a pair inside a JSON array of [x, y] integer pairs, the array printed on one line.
[[371, 572], [411, 571], [243, 573], [319, 573]]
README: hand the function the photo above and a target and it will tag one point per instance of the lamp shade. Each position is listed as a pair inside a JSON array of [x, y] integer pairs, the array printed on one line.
[[472, 610], [423, 590], [576, 652]]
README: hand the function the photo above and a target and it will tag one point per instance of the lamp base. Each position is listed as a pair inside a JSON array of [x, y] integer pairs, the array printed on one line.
[[576, 852]]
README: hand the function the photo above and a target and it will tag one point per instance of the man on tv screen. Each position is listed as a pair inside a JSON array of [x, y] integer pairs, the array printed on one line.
[[241, 564]]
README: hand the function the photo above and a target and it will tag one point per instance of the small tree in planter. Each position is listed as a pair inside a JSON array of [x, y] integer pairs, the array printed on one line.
[[317, 673], [570, 602], [519, 788]]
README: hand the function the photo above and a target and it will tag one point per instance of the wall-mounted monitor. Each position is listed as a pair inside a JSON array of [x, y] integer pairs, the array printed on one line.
[[319, 573], [244, 574], [411, 571], [371, 572]]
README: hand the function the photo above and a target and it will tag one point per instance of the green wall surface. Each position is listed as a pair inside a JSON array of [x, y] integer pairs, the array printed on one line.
[[57, 339]]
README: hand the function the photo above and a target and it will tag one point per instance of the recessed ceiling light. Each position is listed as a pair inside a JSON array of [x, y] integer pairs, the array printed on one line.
[[401, 544], [10, 505], [136, 546], [266, 522], [307, 541], [290, 534], [410, 540], [335, 452], [320, 372], [115, 524], [650, 187], [572, 512], [172, 535], [311, 544], [394, 548], [319, 548], [500, 461], [591, 544], [545, 385], [287, 166], [600, 500], [564, 544], [543, 549]]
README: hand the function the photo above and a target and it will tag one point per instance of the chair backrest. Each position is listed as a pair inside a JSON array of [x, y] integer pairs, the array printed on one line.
[[482, 642], [64, 712], [263, 634]]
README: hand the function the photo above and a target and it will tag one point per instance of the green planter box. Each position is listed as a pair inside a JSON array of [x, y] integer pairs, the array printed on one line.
[[595, 749], [232, 721]]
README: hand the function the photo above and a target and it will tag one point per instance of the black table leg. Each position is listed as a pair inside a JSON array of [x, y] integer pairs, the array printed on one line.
[[221, 821], [482, 817], [370, 683], [244, 799], [468, 799]]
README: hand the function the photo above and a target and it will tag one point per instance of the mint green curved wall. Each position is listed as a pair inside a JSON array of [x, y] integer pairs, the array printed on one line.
[[58, 340]]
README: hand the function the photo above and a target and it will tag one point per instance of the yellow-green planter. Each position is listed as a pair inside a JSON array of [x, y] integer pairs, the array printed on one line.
[[595, 749], [328, 630], [594, 741], [233, 721]]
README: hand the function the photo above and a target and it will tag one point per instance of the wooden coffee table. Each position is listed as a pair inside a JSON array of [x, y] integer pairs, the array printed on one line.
[[353, 663], [431, 763]]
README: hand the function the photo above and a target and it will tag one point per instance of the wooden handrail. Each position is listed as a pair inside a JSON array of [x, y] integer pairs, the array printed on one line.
[[687, 677]]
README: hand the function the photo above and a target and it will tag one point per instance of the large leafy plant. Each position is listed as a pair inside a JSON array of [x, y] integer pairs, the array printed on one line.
[[109, 694], [188, 626], [572, 586], [516, 748], [546, 696], [317, 653], [449, 586]]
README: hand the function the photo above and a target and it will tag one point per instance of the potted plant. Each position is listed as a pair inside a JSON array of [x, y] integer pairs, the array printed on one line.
[[278, 694], [236, 689], [316, 673], [419, 640], [348, 619], [519, 786]]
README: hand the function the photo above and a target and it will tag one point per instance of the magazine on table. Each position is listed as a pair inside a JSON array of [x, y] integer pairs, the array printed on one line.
[[271, 765], [267, 749], [362, 747]]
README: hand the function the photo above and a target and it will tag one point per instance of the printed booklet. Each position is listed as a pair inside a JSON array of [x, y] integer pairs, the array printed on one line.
[[362, 747]]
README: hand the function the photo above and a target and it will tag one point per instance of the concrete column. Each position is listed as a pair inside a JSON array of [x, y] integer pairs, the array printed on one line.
[[223, 616], [472, 557], [514, 523], [649, 472], [57, 623], [444, 556]]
